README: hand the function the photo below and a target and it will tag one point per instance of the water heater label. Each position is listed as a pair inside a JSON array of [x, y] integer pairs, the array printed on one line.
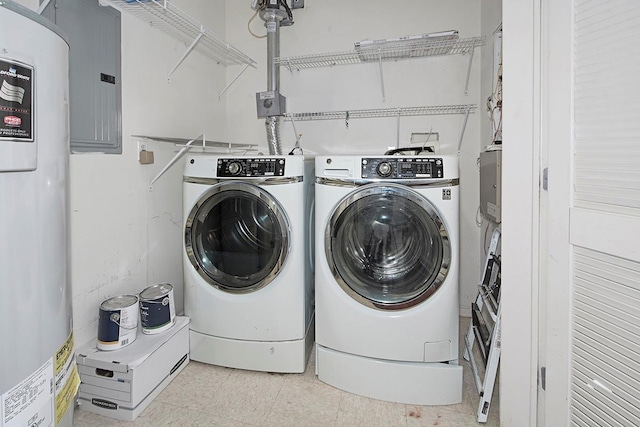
[[30, 403], [16, 101]]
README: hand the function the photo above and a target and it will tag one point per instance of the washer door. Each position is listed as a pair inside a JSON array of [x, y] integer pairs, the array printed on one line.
[[387, 246], [237, 237]]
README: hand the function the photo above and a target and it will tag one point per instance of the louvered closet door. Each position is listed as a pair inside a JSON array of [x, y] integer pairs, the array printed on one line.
[[604, 215]]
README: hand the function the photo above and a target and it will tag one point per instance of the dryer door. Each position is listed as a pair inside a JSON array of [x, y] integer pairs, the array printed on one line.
[[387, 246], [237, 237]]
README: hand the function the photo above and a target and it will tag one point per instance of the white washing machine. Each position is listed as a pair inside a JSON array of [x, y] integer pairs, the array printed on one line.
[[248, 261], [387, 277]]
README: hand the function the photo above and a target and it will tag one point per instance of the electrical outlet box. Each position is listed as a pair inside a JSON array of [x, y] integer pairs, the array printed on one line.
[[491, 185], [146, 157], [270, 103]]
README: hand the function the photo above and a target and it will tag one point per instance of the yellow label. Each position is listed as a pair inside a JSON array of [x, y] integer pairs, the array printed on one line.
[[64, 398], [66, 378], [63, 353]]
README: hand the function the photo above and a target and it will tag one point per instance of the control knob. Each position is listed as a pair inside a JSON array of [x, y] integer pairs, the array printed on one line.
[[235, 168], [384, 169]]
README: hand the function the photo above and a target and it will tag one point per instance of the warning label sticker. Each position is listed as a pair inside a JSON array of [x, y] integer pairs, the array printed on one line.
[[16, 101]]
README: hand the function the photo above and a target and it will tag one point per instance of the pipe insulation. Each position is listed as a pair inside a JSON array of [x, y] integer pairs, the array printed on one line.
[[272, 125]]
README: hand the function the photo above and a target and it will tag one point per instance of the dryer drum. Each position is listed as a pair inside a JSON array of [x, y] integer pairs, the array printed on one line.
[[239, 237]]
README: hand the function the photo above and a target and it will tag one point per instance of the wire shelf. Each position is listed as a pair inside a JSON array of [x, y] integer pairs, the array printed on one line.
[[199, 142], [188, 144], [382, 112], [408, 50], [168, 18]]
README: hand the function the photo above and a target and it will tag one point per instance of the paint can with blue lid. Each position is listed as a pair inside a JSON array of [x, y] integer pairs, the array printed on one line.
[[118, 322], [157, 308]]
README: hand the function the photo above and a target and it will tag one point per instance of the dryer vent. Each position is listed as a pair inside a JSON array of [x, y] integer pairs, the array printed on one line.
[[271, 104]]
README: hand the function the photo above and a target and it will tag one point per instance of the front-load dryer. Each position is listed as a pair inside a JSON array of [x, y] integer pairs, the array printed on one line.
[[387, 277], [248, 260]]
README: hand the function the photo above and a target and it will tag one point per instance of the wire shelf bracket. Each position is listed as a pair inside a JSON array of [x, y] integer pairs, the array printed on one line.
[[166, 17]]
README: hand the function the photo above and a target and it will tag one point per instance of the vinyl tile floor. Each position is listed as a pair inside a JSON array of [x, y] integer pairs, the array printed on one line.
[[206, 395]]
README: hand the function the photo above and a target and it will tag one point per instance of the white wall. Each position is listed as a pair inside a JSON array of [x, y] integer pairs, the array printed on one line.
[[123, 236], [333, 26]]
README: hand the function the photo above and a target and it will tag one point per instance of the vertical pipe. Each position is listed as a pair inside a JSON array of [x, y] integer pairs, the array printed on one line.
[[273, 51], [272, 123]]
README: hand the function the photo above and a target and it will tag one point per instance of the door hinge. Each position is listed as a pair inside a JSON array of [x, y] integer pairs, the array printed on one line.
[[543, 377], [545, 179]]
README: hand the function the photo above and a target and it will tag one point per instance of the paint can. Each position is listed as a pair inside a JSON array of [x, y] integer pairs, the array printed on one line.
[[157, 308], [118, 322]]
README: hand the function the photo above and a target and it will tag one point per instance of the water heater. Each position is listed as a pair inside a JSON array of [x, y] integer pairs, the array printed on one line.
[[38, 375]]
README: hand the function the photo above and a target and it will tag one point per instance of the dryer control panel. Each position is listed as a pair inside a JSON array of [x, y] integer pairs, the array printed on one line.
[[401, 168], [243, 167]]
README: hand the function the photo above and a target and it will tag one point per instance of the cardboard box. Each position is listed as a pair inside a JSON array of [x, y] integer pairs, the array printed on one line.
[[120, 384]]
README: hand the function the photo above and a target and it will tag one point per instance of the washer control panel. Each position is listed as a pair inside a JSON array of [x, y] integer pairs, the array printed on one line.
[[243, 167], [402, 168]]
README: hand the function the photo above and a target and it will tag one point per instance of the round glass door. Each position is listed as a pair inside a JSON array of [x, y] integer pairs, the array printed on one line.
[[387, 246], [237, 237]]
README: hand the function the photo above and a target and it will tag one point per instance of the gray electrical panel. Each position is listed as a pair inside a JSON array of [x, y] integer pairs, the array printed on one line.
[[491, 185], [95, 104]]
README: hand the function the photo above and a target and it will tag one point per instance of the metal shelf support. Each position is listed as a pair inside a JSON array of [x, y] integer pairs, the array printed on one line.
[[174, 160], [466, 85], [233, 81], [384, 97], [462, 129], [189, 49]]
